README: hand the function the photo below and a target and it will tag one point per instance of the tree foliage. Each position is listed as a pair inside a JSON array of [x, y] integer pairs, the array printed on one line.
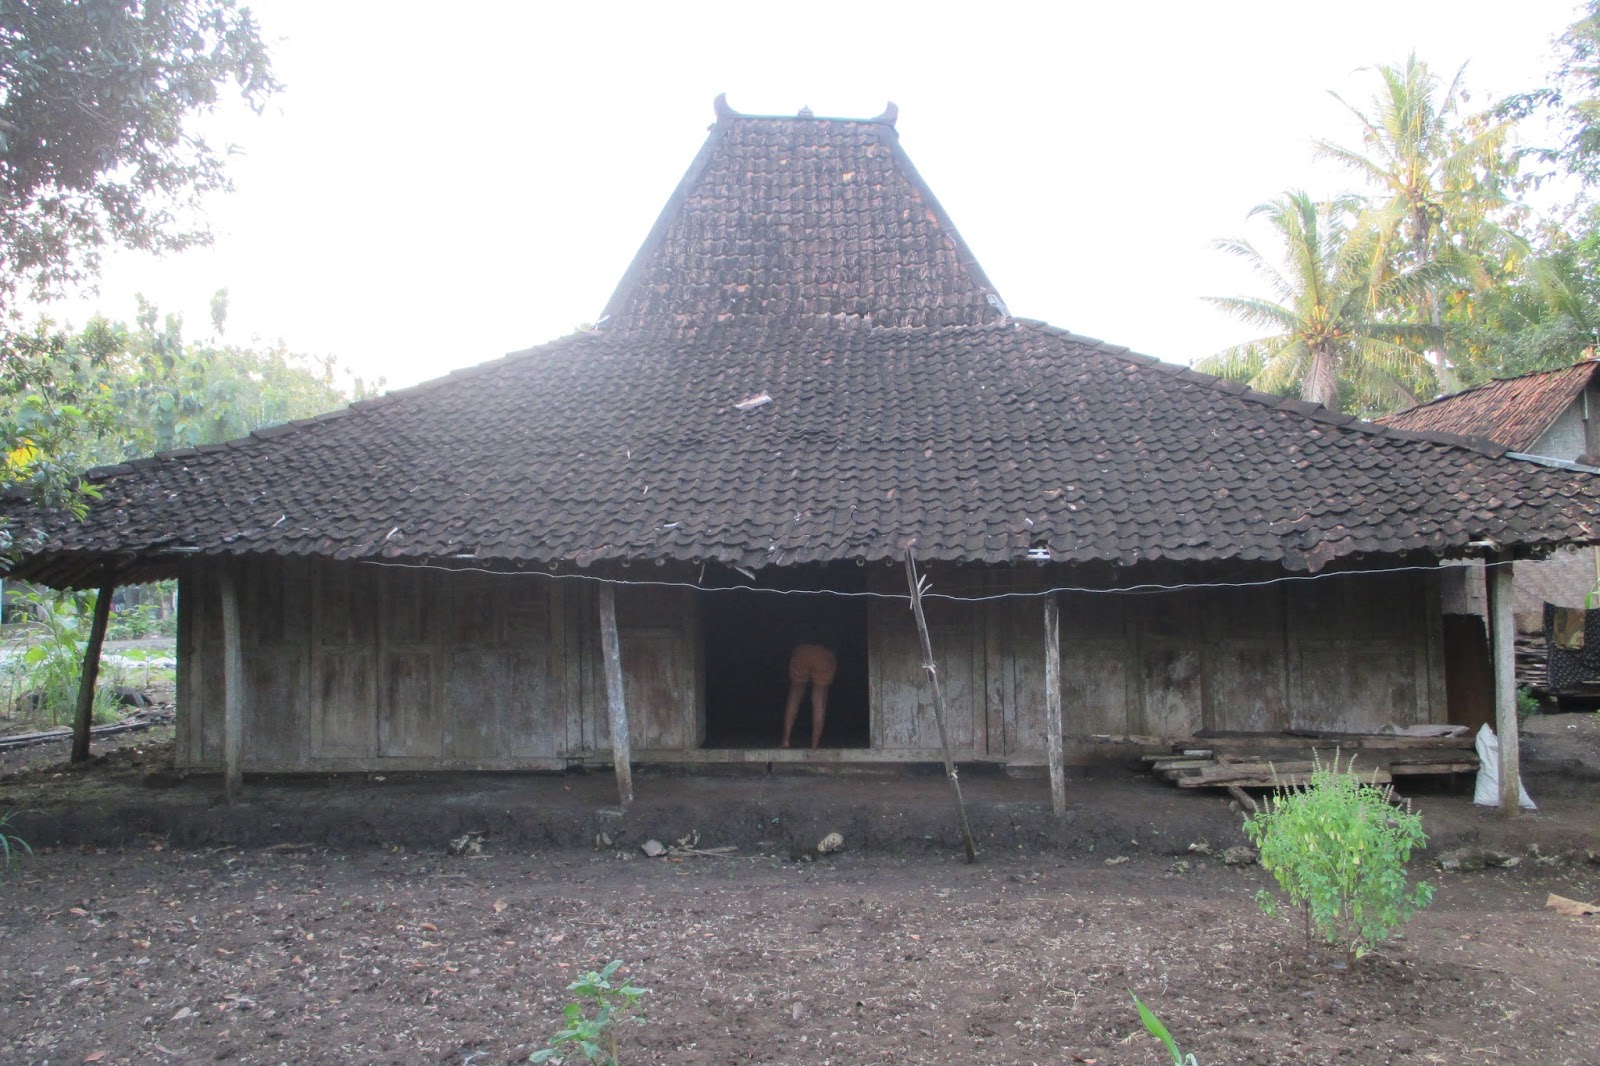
[[1328, 335], [98, 139], [70, 401]]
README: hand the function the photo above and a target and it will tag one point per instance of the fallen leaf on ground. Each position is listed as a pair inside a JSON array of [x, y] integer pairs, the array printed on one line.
[[499, 905], [95, 1056]]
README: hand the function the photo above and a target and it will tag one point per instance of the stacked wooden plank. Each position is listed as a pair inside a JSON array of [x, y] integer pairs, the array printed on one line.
[[1273, 760], [1532, 663]]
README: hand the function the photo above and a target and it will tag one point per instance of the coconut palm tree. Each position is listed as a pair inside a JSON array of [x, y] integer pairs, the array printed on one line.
[[1441, 176], [1330, 315]]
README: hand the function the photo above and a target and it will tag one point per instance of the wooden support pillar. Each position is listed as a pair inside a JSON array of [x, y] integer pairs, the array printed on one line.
[[232, 687], [1502, 653], [1052, 704], [83, 719], [611, 649]]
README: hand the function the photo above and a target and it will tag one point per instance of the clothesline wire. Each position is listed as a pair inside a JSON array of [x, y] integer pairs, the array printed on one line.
[[1144, 588]]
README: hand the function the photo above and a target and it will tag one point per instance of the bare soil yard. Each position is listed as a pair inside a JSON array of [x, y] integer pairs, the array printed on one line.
[[269, 956], [364, 950]]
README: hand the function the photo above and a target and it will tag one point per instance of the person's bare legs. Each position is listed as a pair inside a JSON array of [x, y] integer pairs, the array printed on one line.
[[791, 709], [819, 712]]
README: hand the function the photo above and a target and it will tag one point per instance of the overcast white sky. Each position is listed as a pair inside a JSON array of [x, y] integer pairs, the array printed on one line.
[[440, 184]]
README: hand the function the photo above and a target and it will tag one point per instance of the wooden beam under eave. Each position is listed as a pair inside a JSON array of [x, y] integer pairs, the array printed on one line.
[[1502, 654], [1052, 704], [83, 719], [611, 651], [232, 688]]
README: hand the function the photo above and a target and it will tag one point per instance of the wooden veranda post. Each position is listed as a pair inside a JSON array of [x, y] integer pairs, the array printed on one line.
[[1052, 703], [1502, 651], [612, 651], [83, 719], [928, 664], [232, 689]]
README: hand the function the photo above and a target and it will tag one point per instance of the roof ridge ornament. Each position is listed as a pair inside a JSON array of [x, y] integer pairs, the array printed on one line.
[[720, 105], [889, 116]]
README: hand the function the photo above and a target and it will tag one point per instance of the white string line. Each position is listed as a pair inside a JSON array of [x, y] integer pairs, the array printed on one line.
[[1143, 589]]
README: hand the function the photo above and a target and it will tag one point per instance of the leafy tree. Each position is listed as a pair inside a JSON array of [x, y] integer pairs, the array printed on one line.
[[97, 140], [1443, 178], [1333, 338], [1573, 94], [57, 413], [1548, 316], [112, 392]]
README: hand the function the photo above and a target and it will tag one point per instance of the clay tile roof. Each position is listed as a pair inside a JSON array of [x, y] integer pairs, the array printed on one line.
[[1513, 412], [794, 220], [803, 367]]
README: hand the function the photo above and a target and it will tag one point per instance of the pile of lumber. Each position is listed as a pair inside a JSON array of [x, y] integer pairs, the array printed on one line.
[[1274, 760], [1532, 663]]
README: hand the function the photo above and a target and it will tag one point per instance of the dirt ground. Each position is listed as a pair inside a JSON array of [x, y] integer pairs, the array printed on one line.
[[377, 947], [394, 956]]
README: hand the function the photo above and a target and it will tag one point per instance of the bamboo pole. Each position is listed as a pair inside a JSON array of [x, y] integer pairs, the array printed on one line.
[[1052, 704], [232, 688], [915, 584], [611, 649], [83, 719], [1502, 651]]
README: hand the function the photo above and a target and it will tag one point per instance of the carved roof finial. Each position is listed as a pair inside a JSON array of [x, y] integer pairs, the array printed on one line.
[[890, 114], [720, 105], [805, 112]]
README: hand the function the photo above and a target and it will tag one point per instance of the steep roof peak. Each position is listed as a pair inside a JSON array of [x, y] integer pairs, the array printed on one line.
[[890, 115], [793, 220]]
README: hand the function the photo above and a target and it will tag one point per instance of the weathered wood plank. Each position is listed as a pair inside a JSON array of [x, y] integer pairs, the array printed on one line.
[[1502, 651], [233, 683], [1379, 777], [1052, 704], [612, 653]]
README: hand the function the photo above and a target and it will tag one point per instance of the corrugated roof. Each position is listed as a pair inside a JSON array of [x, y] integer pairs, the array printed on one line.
[[1514, 412]]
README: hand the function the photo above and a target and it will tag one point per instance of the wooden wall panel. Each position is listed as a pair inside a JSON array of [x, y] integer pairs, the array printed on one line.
[[1246, 686], [659, 632], [276, 733], [658, 687], [477, 691], [344, 694], [410, 721], [902, 699], [1172, 673]]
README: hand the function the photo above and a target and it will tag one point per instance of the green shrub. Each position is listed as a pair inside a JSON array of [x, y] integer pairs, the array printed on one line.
[[1338, 849], [46, 674], [1527, 703], [593, 1020], [132, 623]]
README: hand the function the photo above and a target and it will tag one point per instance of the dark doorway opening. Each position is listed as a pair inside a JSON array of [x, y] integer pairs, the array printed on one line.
[[748, 639]]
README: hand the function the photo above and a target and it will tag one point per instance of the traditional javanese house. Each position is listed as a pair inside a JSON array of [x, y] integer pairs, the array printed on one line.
[[803, 374]]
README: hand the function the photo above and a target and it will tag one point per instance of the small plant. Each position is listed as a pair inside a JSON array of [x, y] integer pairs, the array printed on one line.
[[1527, 703], [132, 623], [10, 843], [1156, 1029], [45, 675], [1338, 849], [592, 1022]]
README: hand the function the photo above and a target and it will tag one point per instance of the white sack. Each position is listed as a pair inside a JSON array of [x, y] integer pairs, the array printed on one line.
[[1487, 792]]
